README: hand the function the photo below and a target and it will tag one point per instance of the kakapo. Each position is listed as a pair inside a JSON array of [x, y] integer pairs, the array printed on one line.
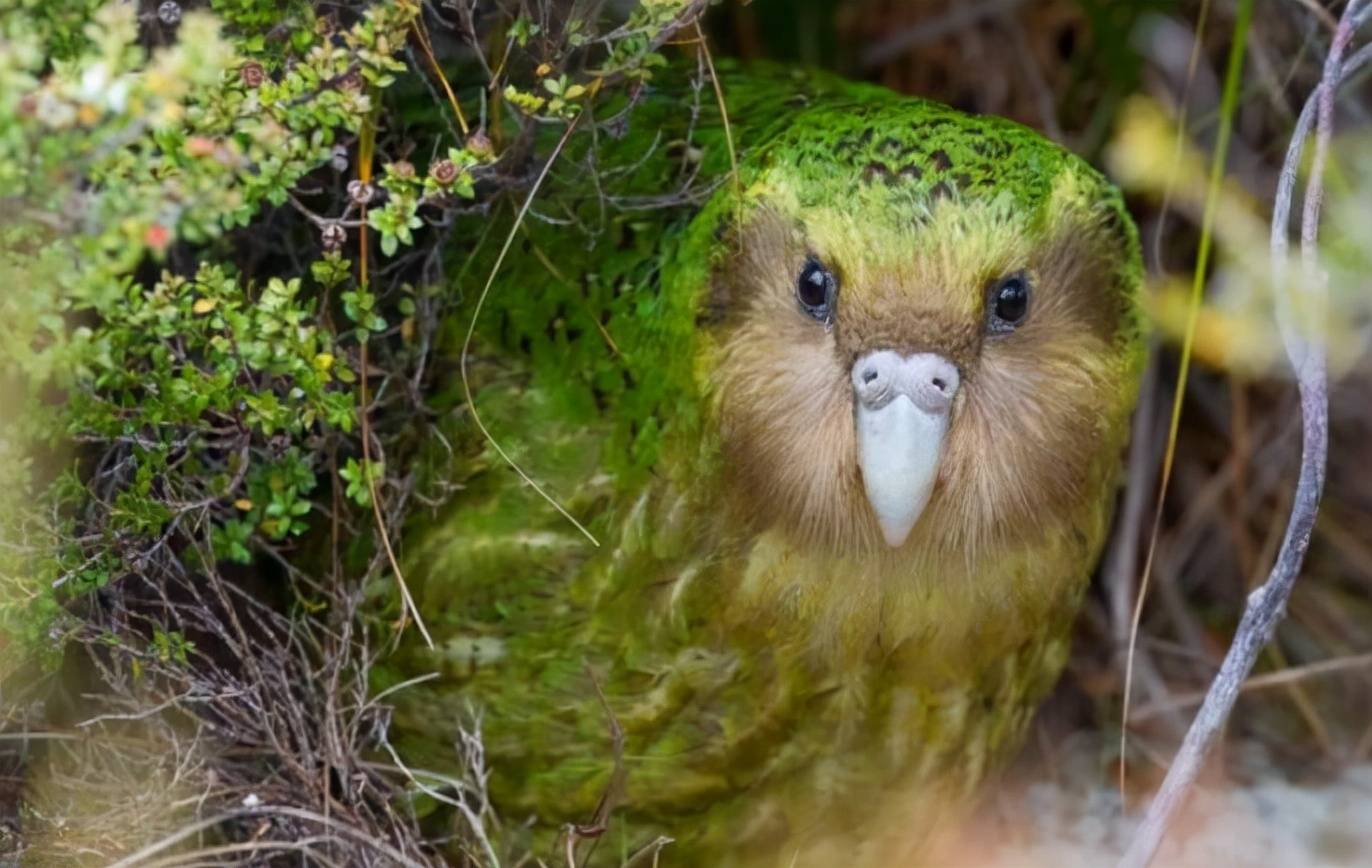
[[847, 429]]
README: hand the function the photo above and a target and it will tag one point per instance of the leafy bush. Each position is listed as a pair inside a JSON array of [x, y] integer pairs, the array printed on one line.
[[196, 394], [227, 268]]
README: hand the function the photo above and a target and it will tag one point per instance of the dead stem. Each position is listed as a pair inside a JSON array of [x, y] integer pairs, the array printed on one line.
[[1305, 350]]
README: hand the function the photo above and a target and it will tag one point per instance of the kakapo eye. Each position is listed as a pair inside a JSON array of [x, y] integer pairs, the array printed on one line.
[[817, 289], [1008, 304]]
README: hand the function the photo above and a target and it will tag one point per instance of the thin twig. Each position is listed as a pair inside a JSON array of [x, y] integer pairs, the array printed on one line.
[[1324, 16], [1121, 561], [1183, 104], [366, 150], [1279, 678], [1305, 349]]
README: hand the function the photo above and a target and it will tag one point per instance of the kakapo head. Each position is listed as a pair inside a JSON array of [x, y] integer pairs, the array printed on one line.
[[919, 327]]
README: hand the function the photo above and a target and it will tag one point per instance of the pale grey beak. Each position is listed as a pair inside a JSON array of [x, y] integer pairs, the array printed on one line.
[[903, 404]]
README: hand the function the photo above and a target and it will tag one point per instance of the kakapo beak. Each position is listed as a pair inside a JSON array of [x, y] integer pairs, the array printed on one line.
[[903, 404]]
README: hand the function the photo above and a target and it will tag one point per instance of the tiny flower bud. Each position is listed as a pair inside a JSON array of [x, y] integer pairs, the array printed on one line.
[[351, 80], [169, 13], [444, 172], [360, 192], [479, 144], [252, 74], [402, 169], [333, 237], [338, 158]]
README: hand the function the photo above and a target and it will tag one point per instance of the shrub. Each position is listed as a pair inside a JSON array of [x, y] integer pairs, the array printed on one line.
[[226, 257]]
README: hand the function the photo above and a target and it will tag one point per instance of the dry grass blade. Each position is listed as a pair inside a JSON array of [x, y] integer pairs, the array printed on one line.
[[422, 36], [1280, 678], [366, 151], [728, 130], [471, 332], [1228, 107], [1267, 604], [142, 856]]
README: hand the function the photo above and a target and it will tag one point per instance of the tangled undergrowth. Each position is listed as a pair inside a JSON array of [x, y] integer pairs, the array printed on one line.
[[235, 225]]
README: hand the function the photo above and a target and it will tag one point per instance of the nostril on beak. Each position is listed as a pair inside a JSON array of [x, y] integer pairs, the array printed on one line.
[[927, 379]]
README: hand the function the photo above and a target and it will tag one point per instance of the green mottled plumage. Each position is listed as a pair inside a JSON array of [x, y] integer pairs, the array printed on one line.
[[791, 692]]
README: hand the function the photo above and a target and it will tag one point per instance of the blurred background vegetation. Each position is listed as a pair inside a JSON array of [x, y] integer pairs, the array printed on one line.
[[209, 420]]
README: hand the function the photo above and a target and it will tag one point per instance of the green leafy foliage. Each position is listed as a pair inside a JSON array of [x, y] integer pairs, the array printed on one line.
[[158, 395], [184, 202], [171, 645], [185, 198], [360, 476]]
